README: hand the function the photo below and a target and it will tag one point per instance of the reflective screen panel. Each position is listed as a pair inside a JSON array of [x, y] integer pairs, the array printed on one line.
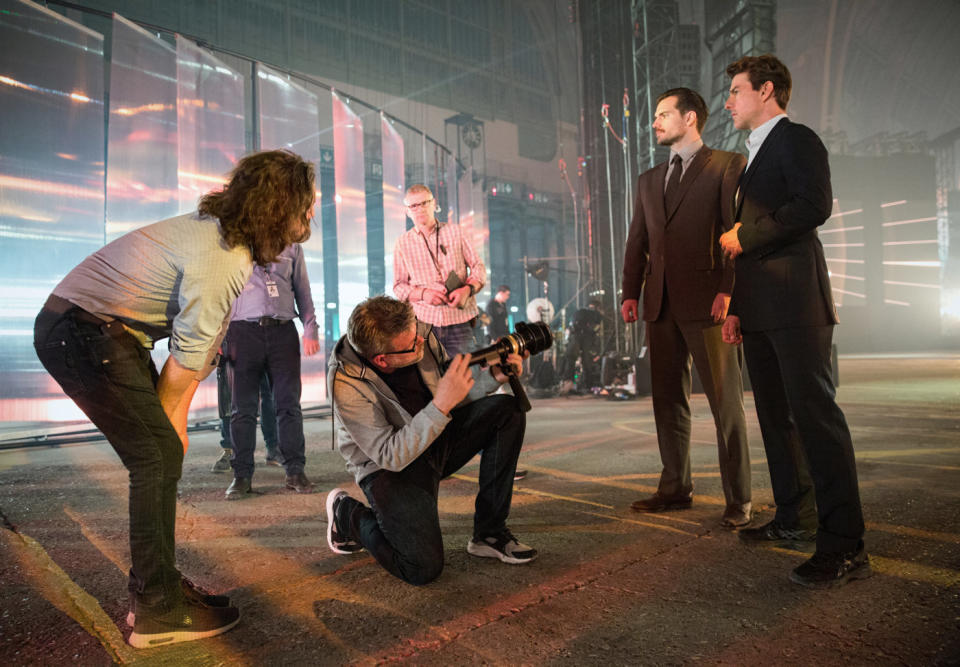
[[288, 118], [394, 212], [51, 187], [351, 206], [142, 132], [210, 122]]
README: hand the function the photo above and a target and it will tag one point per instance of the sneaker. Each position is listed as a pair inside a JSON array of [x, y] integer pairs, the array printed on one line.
[[774, 531], [187, 621], [519, 474], [191, 591], [503, 546], [829, 570], [223, 463], [337, 539]]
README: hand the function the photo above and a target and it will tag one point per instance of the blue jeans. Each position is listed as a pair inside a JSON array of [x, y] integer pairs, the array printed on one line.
[[401, 528], [456, 338], [268, 412], [252, 351], [112, 378]]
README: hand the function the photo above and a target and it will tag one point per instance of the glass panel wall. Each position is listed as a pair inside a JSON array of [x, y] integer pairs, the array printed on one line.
[[394, 212], [51, 187]]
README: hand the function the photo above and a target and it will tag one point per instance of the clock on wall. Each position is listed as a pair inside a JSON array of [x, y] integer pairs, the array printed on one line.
[[472, 134]]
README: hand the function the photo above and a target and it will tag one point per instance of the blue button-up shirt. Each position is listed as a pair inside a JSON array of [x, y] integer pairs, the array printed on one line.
[[280, 290]]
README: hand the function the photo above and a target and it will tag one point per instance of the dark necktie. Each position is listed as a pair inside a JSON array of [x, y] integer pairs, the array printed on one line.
[[673, 184]]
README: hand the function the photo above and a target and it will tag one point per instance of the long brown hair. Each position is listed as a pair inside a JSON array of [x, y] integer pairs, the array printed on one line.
[[265, 204]]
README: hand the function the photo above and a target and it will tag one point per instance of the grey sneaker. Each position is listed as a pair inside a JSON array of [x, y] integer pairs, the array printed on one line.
[[503, 546], [222, 464]]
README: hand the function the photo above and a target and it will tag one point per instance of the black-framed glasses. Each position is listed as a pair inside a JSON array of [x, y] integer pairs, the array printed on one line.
[[419, 204], [417, 341]]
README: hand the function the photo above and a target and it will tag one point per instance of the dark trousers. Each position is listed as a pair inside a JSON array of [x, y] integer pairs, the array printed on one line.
[[112, 378], [251, 351], [268, 413], [584, 346], [401, 528], [673, 345], [805, 435]]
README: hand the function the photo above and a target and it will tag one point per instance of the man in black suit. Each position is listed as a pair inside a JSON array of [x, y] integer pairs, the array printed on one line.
[[682, 208], [782, 309]]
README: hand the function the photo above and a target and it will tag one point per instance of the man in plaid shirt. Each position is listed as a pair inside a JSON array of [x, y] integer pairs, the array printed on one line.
[[438, 272]]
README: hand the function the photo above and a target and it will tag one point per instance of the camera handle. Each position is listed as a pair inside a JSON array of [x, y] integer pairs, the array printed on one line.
[[518, 391]]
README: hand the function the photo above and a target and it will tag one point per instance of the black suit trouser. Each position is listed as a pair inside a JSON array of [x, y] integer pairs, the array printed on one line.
[[672, 346], [805, 435]]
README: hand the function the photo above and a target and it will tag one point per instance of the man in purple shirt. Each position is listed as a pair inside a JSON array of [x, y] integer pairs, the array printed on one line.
[[263, 339]]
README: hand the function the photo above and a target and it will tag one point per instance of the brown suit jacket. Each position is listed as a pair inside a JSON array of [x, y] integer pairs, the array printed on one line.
[[679, 250]]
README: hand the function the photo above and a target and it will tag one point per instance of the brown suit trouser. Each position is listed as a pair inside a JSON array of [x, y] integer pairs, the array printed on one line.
[[672, 346]]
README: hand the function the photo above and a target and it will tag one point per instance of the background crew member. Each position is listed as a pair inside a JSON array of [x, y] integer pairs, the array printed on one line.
[[499, 317], [175, 278], [407, 416], [268, 419], [683, 206], [438, 272], [783, 305], [583, 342], [263, 339]]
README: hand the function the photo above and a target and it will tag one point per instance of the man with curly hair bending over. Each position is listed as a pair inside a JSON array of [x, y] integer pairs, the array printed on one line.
[[176, 278]]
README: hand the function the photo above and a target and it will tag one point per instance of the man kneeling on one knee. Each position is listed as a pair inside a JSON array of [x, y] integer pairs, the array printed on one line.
[[407, 416]]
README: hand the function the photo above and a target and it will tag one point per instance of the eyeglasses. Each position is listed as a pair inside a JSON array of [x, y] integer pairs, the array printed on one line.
[[419, 204], [417, 342]]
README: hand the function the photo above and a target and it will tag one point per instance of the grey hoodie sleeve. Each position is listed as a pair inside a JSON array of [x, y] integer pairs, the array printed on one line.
[[389, 447]]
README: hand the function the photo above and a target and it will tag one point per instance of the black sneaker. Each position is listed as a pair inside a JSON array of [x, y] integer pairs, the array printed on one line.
[[774, 531], [191, 591], [829, 570], [186, 622], [337, 538], [503, 546]]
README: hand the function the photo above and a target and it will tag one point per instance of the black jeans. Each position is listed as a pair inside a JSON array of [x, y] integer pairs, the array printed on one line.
[[112, 378], [401, 528], [251, 351]]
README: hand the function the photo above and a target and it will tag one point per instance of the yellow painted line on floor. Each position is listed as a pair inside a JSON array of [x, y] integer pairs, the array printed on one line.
[[907, 531], [902, 569], [657, 526], [626, 426], [55, 586]]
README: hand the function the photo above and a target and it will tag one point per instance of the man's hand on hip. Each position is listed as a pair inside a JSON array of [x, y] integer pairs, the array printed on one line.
[[455, 384]]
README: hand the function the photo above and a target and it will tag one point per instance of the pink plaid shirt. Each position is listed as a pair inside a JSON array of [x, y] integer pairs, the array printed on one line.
[[414, 267]]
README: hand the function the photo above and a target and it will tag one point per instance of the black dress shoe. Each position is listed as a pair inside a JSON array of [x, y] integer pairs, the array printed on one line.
[[774, 531], [658, 503], [239, 487], [299, 483]]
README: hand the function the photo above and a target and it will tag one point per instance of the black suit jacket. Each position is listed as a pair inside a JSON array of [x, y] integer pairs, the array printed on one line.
[[679, 250], [785, 194]]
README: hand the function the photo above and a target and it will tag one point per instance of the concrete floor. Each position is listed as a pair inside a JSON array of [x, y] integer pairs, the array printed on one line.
[[610, 587]]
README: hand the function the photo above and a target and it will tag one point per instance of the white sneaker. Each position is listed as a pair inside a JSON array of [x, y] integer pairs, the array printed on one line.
[[503, 546]]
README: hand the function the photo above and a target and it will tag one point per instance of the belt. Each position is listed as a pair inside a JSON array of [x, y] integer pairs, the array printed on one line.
[[270, 322]]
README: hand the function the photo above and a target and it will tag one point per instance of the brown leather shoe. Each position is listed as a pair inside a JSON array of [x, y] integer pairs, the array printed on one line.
[[736, 516], [658, 503], [299, 483]]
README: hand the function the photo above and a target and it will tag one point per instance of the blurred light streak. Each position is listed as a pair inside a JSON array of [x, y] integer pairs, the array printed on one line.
[[897, 303], [842, 245], [909, 222], [924, 285], [933, 264], [893, 203], [143, 108], [840, 214], [840, 229], [841, 275], [843, 291], [49, 188], [934, 241], [844, 260]]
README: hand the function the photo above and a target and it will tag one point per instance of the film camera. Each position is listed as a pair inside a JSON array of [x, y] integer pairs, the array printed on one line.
[[533, 338]]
